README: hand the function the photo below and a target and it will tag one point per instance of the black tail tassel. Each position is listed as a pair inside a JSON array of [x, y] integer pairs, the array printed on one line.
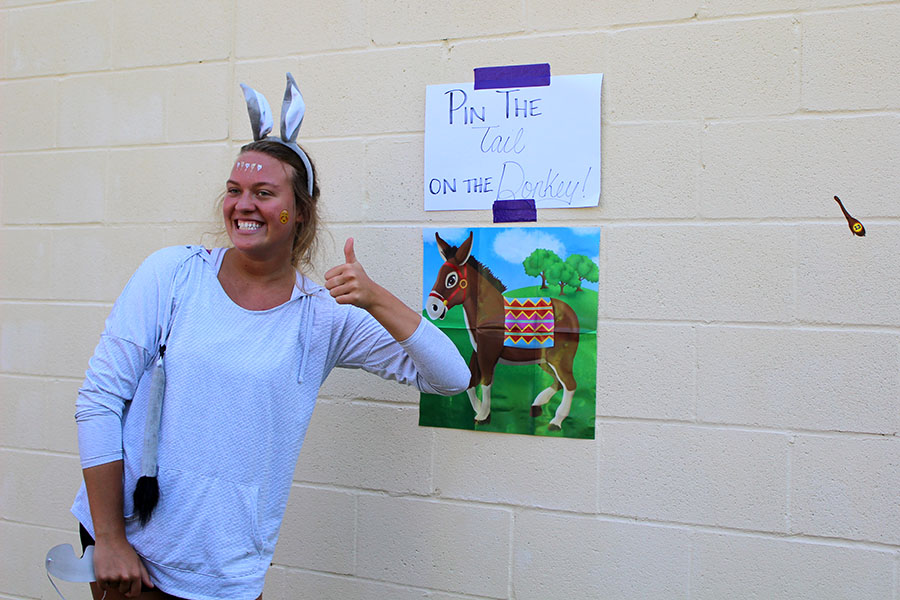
[[146, 495]]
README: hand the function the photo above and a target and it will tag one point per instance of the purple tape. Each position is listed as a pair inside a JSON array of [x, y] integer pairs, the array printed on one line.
[[487, 78], [511, 211]]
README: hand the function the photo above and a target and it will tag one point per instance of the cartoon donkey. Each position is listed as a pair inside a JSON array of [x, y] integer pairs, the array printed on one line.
[[464, 280]]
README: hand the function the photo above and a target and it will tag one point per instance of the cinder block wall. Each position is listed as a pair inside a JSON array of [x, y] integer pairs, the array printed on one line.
[[748, 396]]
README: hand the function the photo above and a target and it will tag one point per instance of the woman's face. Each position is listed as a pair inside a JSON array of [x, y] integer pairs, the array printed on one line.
[[257, 192]]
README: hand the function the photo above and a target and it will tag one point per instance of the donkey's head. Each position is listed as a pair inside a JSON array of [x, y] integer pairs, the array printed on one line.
[[452, 280]]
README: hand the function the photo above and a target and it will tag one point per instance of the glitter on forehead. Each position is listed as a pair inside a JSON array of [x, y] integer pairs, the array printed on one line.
[[247, 166]]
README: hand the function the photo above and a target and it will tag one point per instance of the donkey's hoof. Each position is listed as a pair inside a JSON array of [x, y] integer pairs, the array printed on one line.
[[554, 427], [536, 411], [484, 421]]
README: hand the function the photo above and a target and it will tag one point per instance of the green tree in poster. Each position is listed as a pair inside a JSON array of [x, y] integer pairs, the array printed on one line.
[[585, 268], [538, 262], [564, 275]]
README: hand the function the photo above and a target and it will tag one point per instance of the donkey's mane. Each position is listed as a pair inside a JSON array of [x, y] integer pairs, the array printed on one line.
[[478, 266]]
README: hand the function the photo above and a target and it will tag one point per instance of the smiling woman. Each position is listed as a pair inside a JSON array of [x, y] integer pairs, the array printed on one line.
[[235, 342]]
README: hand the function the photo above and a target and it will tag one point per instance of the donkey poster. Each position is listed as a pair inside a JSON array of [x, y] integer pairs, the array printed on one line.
[[520, 304]]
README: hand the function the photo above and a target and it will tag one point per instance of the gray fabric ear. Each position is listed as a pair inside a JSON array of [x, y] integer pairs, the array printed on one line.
[[260, 113], [292, 110]]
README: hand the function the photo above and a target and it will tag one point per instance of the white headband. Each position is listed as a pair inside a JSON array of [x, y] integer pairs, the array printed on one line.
[[292, 111]]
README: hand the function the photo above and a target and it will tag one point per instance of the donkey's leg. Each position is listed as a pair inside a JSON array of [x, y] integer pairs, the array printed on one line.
[[487, 379], [474, 380], [565, 406], [484, 415], [544, 397]]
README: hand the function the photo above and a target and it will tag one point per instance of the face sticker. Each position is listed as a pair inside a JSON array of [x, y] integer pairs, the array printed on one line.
[[245, 166], [855, 226]]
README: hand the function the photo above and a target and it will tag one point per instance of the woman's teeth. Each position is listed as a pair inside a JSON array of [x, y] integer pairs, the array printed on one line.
[[248, 225]]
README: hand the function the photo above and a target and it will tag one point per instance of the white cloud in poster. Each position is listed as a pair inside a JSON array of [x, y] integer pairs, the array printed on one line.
[[514, 245]]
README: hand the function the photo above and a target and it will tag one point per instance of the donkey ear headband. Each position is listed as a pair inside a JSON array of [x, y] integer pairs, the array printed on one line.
[[292, 111]]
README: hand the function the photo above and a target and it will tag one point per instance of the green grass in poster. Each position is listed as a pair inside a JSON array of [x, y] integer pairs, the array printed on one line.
[[516, 386]]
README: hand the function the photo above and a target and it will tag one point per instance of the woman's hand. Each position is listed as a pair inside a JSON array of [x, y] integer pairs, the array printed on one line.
[[348, 283], [118, 567]]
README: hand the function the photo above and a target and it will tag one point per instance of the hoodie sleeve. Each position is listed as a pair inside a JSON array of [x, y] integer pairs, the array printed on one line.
[[427, 359], [130, 341]]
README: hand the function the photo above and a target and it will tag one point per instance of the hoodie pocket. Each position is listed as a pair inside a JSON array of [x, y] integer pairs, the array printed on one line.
[[202, 524]]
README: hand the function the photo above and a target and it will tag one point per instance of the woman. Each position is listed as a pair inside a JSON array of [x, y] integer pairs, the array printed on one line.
[[247, 341]]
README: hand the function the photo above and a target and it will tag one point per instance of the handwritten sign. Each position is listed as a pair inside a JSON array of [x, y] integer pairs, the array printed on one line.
[[538, 143]]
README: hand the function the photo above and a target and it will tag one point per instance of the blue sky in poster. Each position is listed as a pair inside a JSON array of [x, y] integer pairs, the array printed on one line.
[[503, 249]]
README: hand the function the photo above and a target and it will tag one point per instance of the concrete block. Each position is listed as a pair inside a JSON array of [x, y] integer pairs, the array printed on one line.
[[274, 585], [698, 475], [49, 339], [794, 167], [29, 118], [710, 272], [318, 530], [801, 379], [113, 253], [449, 547], [650, 170], [846, 487], [568, 556], [725, 8], [14, 3], [386, 95], [197, 105], [168, 32], [740, 566], [70, 184], [568, 53], [704, 70], [586, 14], [646, 371], [846, 279], [22, 572], [850, 59], [24, 263], [210, 234], [282, 27], [38, 413], [325, 586], [38, 489], [445, 596], [817, 4], [299, 28], [367, 446], [394, 172], [79, 40], [516, 469], [398, 21], [345, 385], [166, 184], [341, 173], [114, 109]]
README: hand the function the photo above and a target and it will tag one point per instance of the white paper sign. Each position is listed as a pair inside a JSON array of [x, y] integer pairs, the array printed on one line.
[[540, 143]]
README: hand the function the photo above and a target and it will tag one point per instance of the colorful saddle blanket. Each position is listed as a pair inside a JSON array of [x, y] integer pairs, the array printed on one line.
[[528, 322]]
